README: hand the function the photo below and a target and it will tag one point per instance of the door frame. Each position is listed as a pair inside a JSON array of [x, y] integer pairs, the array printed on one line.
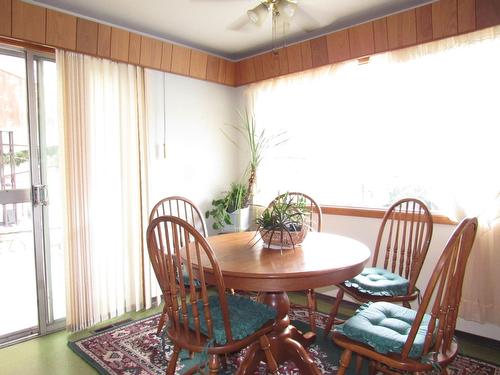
[[39, 209]]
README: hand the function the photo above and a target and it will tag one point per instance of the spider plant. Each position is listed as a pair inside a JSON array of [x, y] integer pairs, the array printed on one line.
[[284, 215]]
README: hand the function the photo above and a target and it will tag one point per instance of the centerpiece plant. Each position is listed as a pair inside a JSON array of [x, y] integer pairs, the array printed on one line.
[[283, 224]]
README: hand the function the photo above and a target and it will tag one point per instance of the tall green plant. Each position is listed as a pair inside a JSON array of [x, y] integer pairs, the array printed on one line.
[[258, 142]]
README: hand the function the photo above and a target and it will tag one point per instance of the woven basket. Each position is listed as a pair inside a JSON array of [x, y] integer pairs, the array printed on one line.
[[288, 240]]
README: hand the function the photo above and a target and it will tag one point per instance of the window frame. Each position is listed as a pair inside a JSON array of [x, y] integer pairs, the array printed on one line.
[[375, 213]]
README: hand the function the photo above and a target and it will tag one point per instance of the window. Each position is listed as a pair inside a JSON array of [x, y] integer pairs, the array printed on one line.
[[419, 122]]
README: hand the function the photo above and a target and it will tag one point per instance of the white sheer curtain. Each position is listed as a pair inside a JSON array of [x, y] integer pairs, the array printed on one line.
[[422, 122], [105, 173]]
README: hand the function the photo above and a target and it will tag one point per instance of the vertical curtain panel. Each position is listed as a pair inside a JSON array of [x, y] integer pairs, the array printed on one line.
[[105, 171]]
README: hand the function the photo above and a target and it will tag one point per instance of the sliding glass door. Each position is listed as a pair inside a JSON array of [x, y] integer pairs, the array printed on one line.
[[18, 289], [31, 256]]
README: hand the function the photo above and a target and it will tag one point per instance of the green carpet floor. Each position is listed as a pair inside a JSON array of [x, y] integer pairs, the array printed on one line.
[[50, 354]]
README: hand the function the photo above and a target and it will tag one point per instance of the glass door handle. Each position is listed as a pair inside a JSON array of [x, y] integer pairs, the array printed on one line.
[[40, 195]]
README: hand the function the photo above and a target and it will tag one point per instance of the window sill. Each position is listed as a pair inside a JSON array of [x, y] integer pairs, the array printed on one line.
[[375, 213]]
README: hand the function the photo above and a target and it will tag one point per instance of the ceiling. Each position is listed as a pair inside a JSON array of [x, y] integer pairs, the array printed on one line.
[[209, 25]]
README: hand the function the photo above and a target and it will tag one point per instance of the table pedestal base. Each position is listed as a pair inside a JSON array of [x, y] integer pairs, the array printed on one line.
[[286, 343]]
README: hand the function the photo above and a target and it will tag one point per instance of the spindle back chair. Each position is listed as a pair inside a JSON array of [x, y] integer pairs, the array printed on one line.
[[442, 296], [402, 243], [180, 207], [185, 209], [198, 322], [403, 239]]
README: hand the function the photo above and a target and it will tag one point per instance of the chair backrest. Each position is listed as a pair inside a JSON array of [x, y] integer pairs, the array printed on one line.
[[165, 236], [448, 277], [315, 216], [403, 239], [180, 207]]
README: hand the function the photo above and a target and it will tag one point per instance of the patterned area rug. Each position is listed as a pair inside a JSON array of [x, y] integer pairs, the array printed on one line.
[[134, 348]]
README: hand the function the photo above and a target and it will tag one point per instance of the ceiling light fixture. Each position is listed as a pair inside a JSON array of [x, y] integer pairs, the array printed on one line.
[[258, 14], [289, 8], [276, 7]]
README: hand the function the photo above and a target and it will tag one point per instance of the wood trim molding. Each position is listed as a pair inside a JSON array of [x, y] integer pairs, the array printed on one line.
[[430, 22], [27, 45], [49, 28], [375, 213], [36, 27]]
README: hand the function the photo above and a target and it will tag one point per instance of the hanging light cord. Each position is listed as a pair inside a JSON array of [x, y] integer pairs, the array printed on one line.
[[164, 119], [275, 13]]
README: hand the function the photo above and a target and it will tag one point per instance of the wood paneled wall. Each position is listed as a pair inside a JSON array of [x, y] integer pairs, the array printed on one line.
[[430, 22], [444, 18], [36, 24]]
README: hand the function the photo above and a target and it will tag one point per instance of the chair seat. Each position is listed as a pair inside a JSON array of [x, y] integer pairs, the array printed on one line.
[[185, 278], [246, 317], [379, 282], [385, 327]]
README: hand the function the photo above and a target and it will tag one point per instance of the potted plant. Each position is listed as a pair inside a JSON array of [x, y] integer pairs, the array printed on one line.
[[229, 212], [257, 142], [283, 224]]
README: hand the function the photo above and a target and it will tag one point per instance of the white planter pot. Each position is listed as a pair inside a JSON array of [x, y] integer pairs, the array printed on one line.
[[240, 221]]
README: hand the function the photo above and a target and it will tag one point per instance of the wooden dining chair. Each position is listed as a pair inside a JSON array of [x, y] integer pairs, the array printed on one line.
[[214, 324], [180, 207], [185, 209], [402, 244], [394, 337], [313, 223]]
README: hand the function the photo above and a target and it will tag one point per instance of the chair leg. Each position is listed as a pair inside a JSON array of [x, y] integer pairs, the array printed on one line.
[[333, 312], [163, 317], [345, 359], [266, 348], [372, 369], [359, 364], [173, 361], [311, 306], [213, 364], [223, 361]]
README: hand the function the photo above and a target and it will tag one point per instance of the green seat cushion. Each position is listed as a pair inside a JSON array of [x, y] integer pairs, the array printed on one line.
[[185, 278], [385, 327], [245, 317], [379, 282]]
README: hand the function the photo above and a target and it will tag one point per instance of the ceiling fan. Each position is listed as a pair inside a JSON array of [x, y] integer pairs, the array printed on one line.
[[281, 11], [277, 8]]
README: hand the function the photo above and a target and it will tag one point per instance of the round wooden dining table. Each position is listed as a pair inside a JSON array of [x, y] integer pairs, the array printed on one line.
[[323, 259]]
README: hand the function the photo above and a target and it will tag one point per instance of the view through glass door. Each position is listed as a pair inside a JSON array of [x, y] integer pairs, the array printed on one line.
[[32, 290]]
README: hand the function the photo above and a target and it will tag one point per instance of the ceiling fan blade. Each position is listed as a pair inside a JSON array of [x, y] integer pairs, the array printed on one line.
[[242, 23], [305, 21]]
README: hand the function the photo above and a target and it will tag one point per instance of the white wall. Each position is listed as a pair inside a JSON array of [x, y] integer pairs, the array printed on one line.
[[200, 161]]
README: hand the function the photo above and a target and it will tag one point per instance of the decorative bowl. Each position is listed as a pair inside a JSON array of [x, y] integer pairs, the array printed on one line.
[[279, 240]]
